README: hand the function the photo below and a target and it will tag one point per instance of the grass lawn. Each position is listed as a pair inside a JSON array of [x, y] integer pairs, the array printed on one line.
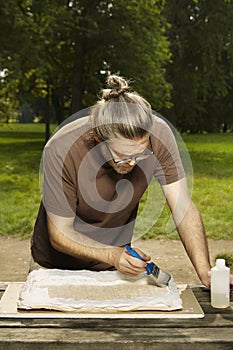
[[212, 159], [20, 153], [21, 147]]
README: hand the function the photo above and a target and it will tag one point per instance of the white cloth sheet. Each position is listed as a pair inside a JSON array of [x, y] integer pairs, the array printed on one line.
[[88, 291]]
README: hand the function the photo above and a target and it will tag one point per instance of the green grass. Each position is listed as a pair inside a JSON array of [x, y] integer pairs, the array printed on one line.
[[20, 152], [212, 161], [212, 158]]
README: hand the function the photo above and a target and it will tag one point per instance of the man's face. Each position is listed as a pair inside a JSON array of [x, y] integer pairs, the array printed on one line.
[[126, 153]]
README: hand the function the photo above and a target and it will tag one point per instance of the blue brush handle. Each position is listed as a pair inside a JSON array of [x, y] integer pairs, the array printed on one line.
[[132, 252]]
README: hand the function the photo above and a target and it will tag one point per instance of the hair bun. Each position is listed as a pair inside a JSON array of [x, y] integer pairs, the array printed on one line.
[[117, 86], [117, 82]]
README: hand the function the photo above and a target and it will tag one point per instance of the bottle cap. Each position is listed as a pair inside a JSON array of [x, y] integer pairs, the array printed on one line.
[[220, 262]]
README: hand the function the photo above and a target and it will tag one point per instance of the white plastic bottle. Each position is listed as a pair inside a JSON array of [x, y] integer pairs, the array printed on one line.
[[220, 285]]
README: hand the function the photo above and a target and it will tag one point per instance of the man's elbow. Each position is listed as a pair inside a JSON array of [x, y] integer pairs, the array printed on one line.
[[54, 236], [54, 241]]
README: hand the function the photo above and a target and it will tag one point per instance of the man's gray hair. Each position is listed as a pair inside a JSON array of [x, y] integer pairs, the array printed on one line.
[[121, 112]]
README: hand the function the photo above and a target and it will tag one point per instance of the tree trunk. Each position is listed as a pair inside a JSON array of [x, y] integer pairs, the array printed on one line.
[[78, 73], [47, 114], [78, 84]]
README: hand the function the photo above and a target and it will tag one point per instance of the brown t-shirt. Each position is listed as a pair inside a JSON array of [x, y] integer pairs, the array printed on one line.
[[79, 182]]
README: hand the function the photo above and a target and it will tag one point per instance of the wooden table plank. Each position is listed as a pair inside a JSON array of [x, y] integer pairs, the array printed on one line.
[[133, 338], [214, 331]]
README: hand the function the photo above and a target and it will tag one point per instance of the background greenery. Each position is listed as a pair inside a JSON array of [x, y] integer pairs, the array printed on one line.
[[55, 56], [212, 160], [20, 153]]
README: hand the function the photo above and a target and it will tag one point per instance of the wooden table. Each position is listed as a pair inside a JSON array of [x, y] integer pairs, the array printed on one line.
[[214, 331]]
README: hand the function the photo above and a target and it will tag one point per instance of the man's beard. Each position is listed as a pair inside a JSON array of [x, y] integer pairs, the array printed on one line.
[[123, 169]]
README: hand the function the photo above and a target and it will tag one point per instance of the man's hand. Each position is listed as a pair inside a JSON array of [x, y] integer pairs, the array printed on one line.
[[206, 280], [128, 265]]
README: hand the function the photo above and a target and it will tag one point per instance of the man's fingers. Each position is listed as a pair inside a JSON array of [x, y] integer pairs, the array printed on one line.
[[130, 265], [129, 271], [143, 255]]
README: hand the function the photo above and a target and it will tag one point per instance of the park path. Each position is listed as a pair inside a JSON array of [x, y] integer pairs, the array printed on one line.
[[168, 254]]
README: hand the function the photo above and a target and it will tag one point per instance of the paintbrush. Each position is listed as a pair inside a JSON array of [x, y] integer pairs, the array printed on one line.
[[159, 277]]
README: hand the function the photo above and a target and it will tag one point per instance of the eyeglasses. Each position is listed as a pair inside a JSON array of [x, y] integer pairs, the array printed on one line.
[[136, 158]]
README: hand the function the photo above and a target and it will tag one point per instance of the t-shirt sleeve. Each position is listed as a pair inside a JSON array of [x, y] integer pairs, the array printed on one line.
[[169, 167], [59, 187]]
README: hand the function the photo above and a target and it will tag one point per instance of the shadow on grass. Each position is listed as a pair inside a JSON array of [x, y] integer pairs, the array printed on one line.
[[217, 164], [6, 134], [20, 157]]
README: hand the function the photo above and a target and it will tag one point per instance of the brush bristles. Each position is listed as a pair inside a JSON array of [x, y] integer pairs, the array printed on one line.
[[160, 277]]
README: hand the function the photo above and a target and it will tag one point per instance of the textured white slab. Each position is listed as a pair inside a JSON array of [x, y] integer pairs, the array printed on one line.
[[8, 308]]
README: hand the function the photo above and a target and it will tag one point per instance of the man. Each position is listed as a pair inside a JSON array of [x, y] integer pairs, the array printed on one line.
[[95, 170]]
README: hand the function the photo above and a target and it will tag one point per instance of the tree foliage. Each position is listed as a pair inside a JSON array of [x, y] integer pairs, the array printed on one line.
[[68, 48], [201, 37], [55, 56]]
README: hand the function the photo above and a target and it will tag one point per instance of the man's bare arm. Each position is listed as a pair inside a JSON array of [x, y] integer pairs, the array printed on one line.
[[190, 227], [64, 238]]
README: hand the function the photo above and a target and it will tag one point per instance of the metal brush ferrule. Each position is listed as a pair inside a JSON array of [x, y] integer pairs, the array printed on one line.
[[152, 269]]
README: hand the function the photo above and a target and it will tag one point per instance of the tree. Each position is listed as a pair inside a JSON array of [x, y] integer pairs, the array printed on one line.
[[201, 69], [68, 48]]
